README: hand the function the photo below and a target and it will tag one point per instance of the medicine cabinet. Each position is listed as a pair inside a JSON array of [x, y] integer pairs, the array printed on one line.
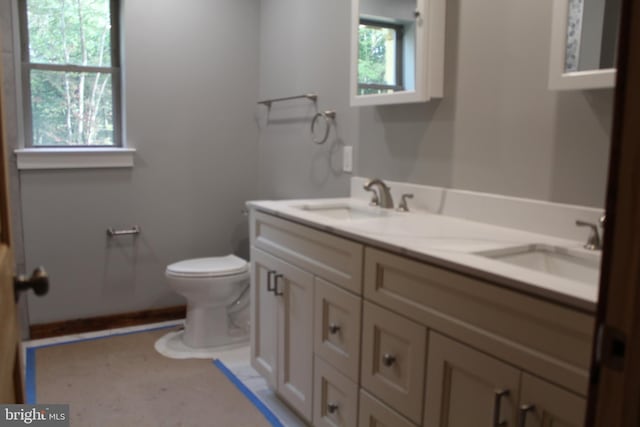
[[397, 51], [584, 39]]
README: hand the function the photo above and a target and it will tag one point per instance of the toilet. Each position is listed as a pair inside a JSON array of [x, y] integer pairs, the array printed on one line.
[[217, 294]]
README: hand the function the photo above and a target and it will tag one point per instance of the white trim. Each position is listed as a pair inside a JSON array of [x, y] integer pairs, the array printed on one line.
[[558, 78], [74, 158]]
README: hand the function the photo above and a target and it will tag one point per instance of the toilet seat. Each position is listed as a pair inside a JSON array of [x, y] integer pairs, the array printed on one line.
[[229, 265]]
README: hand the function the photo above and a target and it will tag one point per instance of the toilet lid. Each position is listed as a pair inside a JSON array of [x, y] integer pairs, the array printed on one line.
[[208, 267]]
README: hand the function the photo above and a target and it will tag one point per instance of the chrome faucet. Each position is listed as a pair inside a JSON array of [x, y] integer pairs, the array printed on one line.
[[594, 242], [384, 195]]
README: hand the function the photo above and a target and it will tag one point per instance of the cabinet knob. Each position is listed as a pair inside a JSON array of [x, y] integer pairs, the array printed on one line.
[[524, 410], [332, 408], [333, 328], [388, 359]]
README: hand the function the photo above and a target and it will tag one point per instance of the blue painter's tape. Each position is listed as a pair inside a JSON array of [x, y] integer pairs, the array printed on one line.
[[30, 378], [270, 416], [120, 334]]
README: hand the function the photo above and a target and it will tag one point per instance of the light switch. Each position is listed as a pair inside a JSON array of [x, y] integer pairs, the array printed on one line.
[[347, 158]]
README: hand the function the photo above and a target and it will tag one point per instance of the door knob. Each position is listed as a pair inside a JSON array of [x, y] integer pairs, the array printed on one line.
[[39, 281]]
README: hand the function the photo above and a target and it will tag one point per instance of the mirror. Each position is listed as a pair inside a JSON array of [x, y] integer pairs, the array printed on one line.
[[584, 43], [397, 51]]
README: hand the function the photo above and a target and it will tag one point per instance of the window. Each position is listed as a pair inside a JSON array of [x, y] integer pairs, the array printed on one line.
[[380, 57], [71, 73]]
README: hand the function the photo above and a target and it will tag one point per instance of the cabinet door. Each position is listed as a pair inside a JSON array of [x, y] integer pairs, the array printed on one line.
[[467, 388], [264, 319], [294, 290], [546, 405]]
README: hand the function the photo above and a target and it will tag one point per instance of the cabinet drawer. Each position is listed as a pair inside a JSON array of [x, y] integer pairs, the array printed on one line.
[[375, 413], [551, 340], [337, 260], [335, 397], [337, 327], [393, 361]]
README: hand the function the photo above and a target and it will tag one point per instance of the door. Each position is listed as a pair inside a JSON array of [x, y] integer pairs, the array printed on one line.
[[546, 405], [294, 290], [615, 380], [10, 376], [467, 388], [10, 372], [264, 319]]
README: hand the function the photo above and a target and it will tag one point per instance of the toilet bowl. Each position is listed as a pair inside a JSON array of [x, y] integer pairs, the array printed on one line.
[[214, 289]]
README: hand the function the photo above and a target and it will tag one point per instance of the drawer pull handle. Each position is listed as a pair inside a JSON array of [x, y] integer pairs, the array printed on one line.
[[276, 288], [499, 394], [332, 408], [270, 286], [388, 359], [524, 410], [333, 328]]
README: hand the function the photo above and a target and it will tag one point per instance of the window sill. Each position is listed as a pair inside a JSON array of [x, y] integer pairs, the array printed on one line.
[[74, 158]]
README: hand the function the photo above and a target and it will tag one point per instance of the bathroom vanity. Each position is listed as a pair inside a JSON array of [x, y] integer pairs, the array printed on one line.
[[353, 327]]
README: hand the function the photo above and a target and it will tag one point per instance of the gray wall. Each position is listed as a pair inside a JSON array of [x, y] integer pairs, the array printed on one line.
[[192, 76], [191, 82], [304, 48], [498, 128]]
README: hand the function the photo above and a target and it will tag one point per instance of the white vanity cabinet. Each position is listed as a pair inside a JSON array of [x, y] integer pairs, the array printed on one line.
[[291, 266], [355, 335]]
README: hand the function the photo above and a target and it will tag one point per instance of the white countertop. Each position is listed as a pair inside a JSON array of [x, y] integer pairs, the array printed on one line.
[[447, 242]]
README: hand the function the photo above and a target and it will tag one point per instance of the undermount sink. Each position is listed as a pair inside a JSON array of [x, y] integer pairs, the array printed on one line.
[[563, 262], [344, 211]]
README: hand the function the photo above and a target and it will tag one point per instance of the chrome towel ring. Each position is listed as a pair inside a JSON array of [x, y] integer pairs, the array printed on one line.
[[328, 117]]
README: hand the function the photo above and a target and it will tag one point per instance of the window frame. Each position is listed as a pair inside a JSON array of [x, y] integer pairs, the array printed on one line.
[[399, 30], [114, 70]]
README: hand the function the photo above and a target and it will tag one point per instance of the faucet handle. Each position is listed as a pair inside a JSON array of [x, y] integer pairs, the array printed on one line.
[[375, 201], [402, 206], [593, 242]]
